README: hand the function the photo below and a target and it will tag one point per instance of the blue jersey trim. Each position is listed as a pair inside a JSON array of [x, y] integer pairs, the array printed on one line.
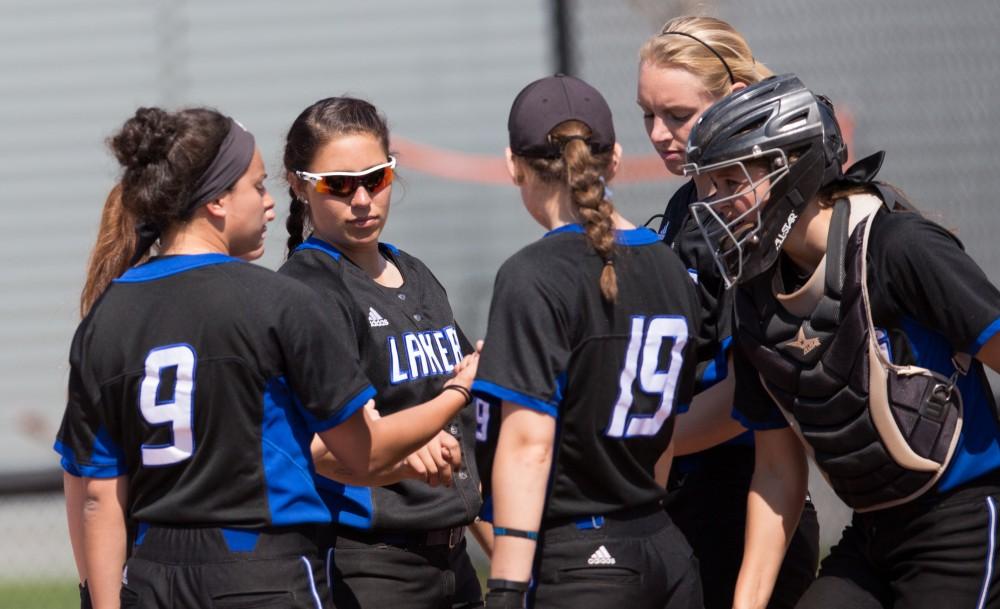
[[353, 405], [985, 336], [106, 458], [392, 248], [350, 505], [978, 448], [172, 265], [288, 468], [240, 540], [313, 243], [486, 512], [717, 368], [140, 533], [634, 236], [502, 393]]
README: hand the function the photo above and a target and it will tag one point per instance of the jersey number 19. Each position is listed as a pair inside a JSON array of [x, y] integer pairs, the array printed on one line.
[[642, 361], [161, 406]]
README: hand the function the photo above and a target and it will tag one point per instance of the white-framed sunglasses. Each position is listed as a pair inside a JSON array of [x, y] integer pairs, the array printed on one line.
[[345, 183]]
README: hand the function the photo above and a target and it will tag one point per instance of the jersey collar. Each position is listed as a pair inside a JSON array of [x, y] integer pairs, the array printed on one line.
[[315, 243], [158, 268], [634, 236]]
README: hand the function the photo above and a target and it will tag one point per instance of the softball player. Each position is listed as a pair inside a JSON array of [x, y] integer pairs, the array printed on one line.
[[590, 349], [867, 326], [197, 382], [692, 63], [400, 545]]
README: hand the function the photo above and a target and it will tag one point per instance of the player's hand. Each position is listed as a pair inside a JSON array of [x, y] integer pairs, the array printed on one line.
[[465, 371], [436, 462], [479, 345]]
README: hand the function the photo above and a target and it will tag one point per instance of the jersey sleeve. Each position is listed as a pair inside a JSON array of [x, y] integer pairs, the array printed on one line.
[[753, 407], [924, 273], [321, 353], [84, 440], [527, 346]]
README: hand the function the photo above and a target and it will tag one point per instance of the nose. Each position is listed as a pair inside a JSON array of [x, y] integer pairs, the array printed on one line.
[[361, 197], [269, 213], [658, 132]]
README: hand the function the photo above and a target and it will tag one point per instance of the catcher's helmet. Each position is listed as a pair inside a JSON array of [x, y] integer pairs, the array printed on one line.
[[778, 122]]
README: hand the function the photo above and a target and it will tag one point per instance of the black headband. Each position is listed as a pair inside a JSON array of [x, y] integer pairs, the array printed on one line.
[[229, 164], [732, 80]]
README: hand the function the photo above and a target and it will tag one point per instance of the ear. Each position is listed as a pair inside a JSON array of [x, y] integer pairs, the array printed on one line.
[[616, 161], [737, 87], [516, 174], [217, 208], [297, 185]]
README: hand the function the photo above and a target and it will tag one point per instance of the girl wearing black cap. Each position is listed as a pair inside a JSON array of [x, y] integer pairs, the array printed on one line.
[[692, 63], [591, 358], [196, 384], [862, 329]]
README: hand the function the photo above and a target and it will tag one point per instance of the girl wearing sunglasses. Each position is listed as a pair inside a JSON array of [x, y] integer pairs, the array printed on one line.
[[400, 545], [196, 383]]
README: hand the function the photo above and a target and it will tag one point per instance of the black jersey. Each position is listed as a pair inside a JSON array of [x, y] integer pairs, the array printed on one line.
[[408, 343], [929, 300], [612, 376], [203, 379]]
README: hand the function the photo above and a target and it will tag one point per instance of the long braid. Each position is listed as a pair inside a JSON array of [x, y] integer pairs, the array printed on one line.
[[587, 191], [296, 222], [583, 172]]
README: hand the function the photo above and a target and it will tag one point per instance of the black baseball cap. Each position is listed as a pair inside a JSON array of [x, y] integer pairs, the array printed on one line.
[[547, 102]]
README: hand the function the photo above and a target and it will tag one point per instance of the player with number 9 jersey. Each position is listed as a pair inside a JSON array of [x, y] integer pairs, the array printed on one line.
[[590, 347], [197, 382]]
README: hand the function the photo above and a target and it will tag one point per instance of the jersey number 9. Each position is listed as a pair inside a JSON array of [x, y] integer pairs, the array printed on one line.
[[642, 361], [162, 406]]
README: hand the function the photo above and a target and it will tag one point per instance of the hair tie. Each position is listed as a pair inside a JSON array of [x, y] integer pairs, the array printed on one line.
[[732, 79], [146, 234]]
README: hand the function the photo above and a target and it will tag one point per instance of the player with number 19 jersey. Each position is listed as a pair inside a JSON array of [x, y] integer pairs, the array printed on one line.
[[203, 378], [612, 376]]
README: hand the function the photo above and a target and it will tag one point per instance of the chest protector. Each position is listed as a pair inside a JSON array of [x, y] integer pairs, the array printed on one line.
[[881, 434]]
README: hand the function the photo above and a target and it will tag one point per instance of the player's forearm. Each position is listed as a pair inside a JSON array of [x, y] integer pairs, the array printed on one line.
[[104, 539], [708, 422], [329, 467], [520, 477], [75, 490], [483, 532], [397, 435], [774, 505]]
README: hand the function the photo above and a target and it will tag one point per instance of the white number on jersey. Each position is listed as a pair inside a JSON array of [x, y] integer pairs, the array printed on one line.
[[176, 410], [482, 419], [642, 359]]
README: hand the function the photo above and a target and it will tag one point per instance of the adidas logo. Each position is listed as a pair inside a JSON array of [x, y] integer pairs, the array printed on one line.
[[601, 556], [375, 320]]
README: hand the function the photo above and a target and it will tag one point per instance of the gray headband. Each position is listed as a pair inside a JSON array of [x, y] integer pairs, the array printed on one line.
[[229, 164]]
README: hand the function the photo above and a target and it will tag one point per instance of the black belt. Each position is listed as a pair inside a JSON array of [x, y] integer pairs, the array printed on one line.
[[449, 537]]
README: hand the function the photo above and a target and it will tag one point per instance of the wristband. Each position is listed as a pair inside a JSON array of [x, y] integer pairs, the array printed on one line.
[[465, 392], [506, 584], [503, 531]]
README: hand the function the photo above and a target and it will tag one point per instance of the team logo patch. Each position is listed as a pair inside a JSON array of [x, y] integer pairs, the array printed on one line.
[[375, 320], [601, 556], [801, 342]]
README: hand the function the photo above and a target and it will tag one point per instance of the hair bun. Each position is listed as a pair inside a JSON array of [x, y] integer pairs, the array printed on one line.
[[146, 138]]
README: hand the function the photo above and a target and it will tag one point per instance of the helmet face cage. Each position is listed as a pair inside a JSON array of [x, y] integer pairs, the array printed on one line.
[[732, 235]]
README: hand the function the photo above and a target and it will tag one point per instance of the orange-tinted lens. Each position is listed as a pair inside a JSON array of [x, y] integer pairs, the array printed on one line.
[[345, 186]]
